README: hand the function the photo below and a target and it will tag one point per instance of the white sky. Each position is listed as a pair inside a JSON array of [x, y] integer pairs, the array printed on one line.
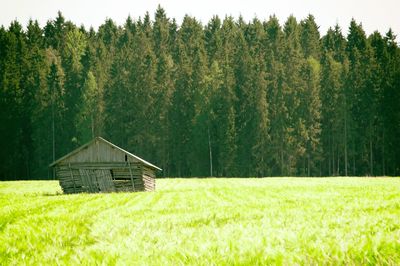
[[374, 14]]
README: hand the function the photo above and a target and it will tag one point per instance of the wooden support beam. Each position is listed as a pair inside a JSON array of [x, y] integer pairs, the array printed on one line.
[[130, 171], [100, 165], [72, 176]]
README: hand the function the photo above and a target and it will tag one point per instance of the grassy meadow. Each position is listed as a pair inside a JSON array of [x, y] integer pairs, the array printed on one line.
[[282, 221]]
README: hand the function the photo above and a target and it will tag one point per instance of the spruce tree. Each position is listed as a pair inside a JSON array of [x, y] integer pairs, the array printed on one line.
[[228, 98], [258, 109], [187, 98], [356, 84], [164, 86], [390, 106], [293, 89], [311, 115], [243, 102], [224, 105], [75, 46], [310, 38], [278, 107]]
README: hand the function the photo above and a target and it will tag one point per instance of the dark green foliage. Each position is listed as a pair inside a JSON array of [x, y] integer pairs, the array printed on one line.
[[188, 96], [278, 107], [335, 113], [231, 98], [309, 37]]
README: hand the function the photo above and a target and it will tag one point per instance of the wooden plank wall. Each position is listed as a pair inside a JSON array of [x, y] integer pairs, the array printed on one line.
[[105, 177], [149, 179], [99, 151], [70, 180]]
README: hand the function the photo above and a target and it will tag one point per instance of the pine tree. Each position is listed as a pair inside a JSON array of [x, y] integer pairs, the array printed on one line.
[[12, 44], [278, 108], [224, 103], [115, 99], [311, 114], [75, 46], [89, 117], [332, 112], [187, 98], [57, 105], [54, 32], [36, 82], [310, 38], [293, 89], [213, 42], [310, 104], [244, 101], [356, 84], [141, 94], [164, 87], [335, 105], [228, 98], [258, 108], [377, 73], [390, 106]]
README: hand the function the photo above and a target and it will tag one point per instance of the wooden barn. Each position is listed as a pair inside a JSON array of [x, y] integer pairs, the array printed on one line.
[[100, 166]]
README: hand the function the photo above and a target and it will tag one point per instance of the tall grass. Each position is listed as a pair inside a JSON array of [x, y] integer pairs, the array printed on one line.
[[204, 222]]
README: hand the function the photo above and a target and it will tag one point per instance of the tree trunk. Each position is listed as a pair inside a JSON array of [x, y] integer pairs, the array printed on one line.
[[354, 159], [92, 124], [281, 155], [383, 154], [345, 142], [338, 162], [210, 152], [371, 156], [53, 130], [329, 158], [333, 157]]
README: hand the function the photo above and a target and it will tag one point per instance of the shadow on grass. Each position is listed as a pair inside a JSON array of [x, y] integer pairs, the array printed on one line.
[[51, 194]]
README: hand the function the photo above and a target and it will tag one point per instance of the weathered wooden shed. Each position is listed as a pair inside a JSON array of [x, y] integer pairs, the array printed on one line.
[[100, 166]]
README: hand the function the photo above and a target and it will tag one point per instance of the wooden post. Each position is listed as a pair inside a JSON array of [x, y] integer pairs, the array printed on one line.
[[97, 184], [72, 176], [89, 179], [130, 171]]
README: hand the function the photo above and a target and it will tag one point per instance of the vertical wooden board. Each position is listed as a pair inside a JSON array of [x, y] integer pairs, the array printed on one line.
[[95, 180], [91, 169], [100, 180], [98, 151], [105, 180], [108, 153], [87, 180], [110, 181], [106, 177]]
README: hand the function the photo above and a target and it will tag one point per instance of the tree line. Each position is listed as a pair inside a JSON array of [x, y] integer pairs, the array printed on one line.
[[228, 98]]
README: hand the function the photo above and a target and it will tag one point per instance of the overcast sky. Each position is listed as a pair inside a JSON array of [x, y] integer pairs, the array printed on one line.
[[374, 14]]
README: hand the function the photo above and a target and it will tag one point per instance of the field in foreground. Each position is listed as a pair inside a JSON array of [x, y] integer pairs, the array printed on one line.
[[205, 221]]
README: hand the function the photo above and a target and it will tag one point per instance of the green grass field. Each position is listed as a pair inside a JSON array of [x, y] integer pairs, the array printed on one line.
[[205, 222]]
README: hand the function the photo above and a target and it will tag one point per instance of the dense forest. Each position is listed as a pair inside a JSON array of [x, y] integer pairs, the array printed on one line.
[[229, 98]]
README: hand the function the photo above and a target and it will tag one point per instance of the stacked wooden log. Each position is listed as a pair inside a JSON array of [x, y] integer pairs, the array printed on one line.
[[70, 183], [148, 179], [123, 185], [78, 178]]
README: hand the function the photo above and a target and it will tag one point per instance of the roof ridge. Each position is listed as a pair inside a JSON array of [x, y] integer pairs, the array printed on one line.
[[109, 143]]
